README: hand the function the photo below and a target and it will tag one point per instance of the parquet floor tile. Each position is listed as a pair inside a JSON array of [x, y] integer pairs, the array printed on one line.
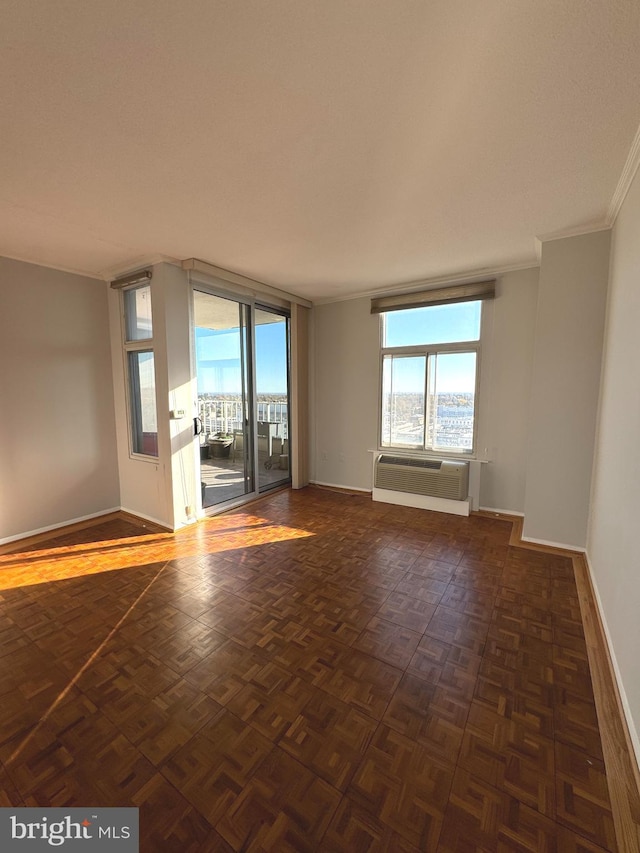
[[576, 723], [468, 601], [583, 796], [229, 668], [356, 829], [444, 552], [511, 757], [115, 673], [329, 737], [160, 726], [361, 681], [458, 629], [388, 642], [283, 807], [405, 785], [173, 824], [214, 767], [188, 646], [406, 610], [479, 817], [271, 707], [9, 796], [424, 588], [314, 672], [412, 713], [430, 568], [429, 659], [68, 769]]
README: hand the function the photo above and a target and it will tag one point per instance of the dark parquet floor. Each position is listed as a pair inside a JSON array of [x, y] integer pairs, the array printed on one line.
[[315, 672]]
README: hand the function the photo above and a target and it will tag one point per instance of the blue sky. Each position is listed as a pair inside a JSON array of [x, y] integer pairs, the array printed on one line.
[[218, 352], [438, 324], [218, 355], [455, 374]]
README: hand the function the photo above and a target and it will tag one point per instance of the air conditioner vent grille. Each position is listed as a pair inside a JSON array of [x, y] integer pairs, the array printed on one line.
[[430, 477], [435, 464]]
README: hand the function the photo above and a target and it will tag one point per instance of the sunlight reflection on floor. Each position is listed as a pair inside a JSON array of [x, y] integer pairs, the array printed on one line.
[[210, 536]]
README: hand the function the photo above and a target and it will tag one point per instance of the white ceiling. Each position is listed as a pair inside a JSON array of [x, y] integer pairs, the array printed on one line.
[[322, 146]]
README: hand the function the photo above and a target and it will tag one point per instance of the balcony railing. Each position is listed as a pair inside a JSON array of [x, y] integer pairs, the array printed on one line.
[[226, 415]]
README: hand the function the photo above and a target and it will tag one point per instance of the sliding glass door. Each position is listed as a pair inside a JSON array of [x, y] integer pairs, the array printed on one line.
[[222, 351], [242, 368], [272, 397]]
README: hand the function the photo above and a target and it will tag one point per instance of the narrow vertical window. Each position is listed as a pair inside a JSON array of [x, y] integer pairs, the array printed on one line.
[[142, 403], [137, 313], [140, 367]]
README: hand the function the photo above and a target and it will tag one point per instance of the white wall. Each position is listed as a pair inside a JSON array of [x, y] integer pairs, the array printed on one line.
[[173, 296], [507, 359], [564, 393], [57, 429], [345, 382], [613, 542], [147, 485], [345, 363], [141, 486]]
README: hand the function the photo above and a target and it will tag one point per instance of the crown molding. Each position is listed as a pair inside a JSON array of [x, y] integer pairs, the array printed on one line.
[[626, 179], [57, 267], [426, 283], [576, 231], [119, 270]]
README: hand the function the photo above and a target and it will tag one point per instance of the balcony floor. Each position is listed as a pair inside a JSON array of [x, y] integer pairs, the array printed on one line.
[[224, 479]]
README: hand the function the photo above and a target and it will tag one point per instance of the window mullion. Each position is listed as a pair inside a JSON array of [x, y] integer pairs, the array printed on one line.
[[425, 404]]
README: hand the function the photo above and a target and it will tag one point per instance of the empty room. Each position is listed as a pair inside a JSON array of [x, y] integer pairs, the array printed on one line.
[[319, 471]]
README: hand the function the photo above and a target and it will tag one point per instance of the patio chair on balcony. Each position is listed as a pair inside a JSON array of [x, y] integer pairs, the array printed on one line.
[[237, 448]]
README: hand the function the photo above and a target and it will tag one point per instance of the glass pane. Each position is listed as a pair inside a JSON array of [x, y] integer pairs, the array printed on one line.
[[221, 349], [137, 312], [435, 324], [272, 347], [452, 401], [403, 384], [142, 390]]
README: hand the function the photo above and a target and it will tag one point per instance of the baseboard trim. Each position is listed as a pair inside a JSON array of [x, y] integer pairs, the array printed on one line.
[[141, 518], [492, 510], [622, 761], [634, 736], [41, 533], [336, 487], [618, 742], [45, 534], [517, 540], [558, 546]]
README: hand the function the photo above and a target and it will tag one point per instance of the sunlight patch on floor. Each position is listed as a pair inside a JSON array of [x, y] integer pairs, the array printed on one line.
[[211, 536]]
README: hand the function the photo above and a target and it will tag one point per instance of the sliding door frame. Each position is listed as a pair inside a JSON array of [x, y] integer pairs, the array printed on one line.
[[224, 290], [261, 305]]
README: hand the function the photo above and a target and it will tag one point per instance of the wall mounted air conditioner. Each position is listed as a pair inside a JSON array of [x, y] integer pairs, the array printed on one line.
[[440, 484]]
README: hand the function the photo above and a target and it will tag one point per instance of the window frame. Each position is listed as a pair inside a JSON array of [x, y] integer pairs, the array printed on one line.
[[427, 351], [138, 345]]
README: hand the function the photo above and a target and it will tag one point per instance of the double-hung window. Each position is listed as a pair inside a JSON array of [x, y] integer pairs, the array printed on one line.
[[140, 369], [430, 369]]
